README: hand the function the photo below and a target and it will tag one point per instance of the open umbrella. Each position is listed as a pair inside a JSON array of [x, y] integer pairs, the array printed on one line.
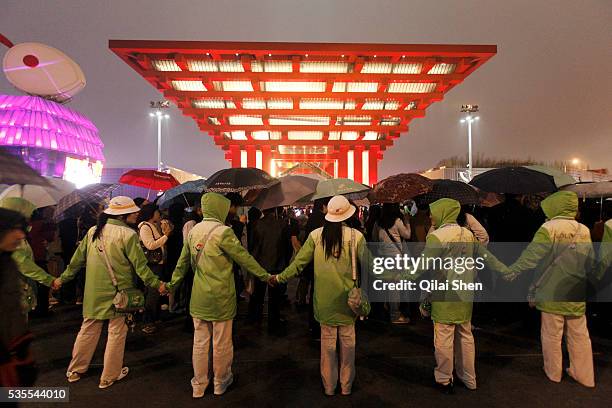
[[457, 190], [41, 196], [185, 190], [150, 179], [591, 190], [14, 171], [401, 187], [288, 191], [339, 186], [561, 178], [239, 179], [81, 199], [514, 180]]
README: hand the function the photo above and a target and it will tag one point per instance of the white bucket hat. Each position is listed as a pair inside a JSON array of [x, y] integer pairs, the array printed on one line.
[[339, 209], [121, 205]]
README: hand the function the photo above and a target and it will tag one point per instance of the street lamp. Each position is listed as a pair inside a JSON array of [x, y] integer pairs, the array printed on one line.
[[470, 110], [159, 106]]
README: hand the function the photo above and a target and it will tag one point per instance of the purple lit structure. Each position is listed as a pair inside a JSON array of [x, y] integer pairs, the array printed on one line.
[[47, 135]]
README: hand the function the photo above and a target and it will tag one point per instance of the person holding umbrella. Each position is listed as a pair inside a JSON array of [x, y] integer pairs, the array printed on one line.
[[332, 249], [562, 252], [210, 249], [110, 248]]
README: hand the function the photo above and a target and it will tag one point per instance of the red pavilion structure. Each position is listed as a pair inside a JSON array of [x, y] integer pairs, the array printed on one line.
[[276, 106]]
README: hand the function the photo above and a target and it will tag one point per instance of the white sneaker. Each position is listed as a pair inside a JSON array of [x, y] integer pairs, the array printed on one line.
[[106, 383], [73, 377], [221, 391]]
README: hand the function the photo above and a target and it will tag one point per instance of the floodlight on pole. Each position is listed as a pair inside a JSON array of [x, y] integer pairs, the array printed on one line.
[[158, 106], [470, 110]]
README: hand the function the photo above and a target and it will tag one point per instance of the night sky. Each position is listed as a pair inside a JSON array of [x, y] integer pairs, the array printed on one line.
[[547, 94]]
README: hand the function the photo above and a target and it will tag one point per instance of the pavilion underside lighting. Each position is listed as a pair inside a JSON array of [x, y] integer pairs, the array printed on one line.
[[272, 105]]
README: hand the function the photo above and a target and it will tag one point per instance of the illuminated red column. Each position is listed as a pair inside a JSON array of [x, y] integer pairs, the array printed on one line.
[[235, 155], [251, 158], [343, 162], [358, 163], [373, 159], [266, 159]]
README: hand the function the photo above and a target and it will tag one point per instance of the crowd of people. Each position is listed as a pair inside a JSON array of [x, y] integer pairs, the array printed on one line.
[[203, 260]]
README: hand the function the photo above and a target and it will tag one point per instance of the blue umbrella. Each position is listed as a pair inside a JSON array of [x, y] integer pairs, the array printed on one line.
[[189, 187]]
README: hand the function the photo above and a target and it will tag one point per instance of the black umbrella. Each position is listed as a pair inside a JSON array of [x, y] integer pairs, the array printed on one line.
[[457, 190], [14, 171], [514, 180], [239, 179]]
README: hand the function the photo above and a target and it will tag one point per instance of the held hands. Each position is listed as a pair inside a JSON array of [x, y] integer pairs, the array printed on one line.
[[162, 289], [273, 281], [56, 284]]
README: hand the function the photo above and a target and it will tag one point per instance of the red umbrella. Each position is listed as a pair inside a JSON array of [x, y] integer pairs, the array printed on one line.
[[151, 179]]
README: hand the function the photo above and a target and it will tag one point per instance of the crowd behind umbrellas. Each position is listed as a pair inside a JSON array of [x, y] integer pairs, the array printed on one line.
[[195, 256]]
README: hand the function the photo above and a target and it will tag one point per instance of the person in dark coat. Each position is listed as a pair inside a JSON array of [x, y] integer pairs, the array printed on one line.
[[16, 364]]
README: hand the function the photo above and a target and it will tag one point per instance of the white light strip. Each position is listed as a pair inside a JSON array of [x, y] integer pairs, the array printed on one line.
[[260, 135], [280, 104], [209, 103], [350, 164], [412, 87], [202, 66], [442, 69], [165, 65], [299, 120], [365, 167], [245, 120], [305, 135], [407, 68], [239, 135], [376, 68], [293, 86], [188, 85], [233, 86], [243, 158], [258, 159], [324, 67], [230, 66]]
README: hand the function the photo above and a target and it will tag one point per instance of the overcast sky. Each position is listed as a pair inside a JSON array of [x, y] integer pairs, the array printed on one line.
[[546, 95]]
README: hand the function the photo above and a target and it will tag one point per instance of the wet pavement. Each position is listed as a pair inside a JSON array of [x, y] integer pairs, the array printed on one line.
[[394, 367]]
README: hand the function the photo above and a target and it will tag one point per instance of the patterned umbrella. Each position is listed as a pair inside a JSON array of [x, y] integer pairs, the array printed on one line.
[[190, 188], [150, 179], [457, 190], [401, 187], [78, 200], [14, 171], [239, 179], [514, 180]]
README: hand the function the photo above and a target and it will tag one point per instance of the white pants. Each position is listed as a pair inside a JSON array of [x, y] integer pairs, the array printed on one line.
[[222, 354], [578, 347], [329, 357], [87, 341], [454, 346]]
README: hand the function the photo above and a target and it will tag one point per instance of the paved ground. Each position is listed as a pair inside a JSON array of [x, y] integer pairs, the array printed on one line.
[[394, 368]]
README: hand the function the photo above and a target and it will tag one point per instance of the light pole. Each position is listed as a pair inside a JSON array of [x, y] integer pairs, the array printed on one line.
[[469, 118], [158, 106]]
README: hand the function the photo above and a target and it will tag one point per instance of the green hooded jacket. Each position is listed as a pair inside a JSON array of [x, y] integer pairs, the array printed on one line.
[[23, 256], [605, 251], [561, 271], [125, 255], [213, 297], [451, 306], [333, 278]]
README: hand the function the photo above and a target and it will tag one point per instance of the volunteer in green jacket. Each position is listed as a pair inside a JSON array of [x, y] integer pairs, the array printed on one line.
[[451, 310], [24, 257], [562, 252], [112, 238], [211, 247], [329, 247], [605, 251]]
